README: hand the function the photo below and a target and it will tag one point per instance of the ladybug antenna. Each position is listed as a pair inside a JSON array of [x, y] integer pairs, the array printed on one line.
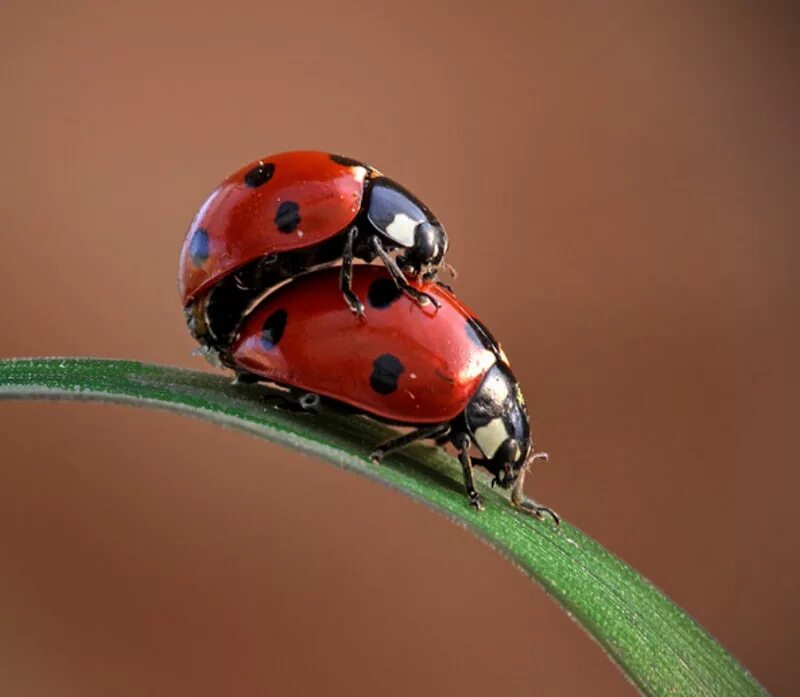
[[450, 270], [537, 456]]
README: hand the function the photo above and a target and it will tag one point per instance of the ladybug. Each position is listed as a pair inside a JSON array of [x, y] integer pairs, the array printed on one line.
[[438, 371], [284, 214]]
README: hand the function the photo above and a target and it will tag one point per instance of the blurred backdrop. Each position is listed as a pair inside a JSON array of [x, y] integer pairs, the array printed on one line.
[[620, 185]]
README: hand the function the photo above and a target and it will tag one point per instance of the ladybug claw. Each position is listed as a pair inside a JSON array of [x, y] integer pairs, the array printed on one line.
[[376, 456], [476, 501], [446, 286], [424, 298], [534, 509], [357, 307]]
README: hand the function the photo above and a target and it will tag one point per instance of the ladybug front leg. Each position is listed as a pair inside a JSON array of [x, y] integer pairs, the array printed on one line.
[[346, 274], [526, 505], [446, 286], [463, 443], [399, 278]]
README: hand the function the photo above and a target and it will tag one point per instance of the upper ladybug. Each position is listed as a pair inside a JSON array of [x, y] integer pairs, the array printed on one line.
[[284, 214]]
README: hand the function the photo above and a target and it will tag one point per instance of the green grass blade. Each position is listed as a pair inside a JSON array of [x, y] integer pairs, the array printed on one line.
[[662, 649]]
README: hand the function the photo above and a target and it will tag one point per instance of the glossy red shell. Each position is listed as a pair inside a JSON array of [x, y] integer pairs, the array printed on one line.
[[237, 223], [322, 348]]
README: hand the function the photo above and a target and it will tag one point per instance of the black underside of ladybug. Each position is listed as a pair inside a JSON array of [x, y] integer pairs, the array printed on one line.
[[214, 316]]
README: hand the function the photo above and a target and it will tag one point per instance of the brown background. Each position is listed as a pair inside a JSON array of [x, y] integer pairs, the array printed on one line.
[[621, 190]]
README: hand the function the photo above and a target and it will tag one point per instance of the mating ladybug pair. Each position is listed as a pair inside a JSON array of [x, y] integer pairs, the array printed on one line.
[[390, 342]]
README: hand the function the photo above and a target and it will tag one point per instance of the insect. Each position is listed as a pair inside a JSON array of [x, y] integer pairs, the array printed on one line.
[[438, 371], [287, 213]]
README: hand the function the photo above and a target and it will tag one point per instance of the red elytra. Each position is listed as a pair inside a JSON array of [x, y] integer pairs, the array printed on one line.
[[402, 362], [250, 214]]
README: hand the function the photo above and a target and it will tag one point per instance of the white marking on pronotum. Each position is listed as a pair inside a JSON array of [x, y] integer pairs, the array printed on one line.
[[491, 436], [401, 229], [498, 389]]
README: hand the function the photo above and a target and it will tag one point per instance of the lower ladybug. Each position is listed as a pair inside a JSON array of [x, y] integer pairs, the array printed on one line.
[[440, 372], [285, 214]]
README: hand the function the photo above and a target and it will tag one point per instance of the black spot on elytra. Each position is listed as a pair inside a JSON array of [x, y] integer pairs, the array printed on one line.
[[347, 161], [386, 369], [287, 217], [259, 175], [272, 330], [198, 247], [383, 292]]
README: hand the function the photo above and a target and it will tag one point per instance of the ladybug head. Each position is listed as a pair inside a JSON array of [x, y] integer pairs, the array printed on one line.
[[497, 421], [426, 254], [506, 464], [404, 222]]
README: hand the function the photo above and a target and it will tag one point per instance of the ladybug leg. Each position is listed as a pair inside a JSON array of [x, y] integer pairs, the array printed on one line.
[[309, 402], [295, 402], [529, 506], [462, 442], [399, 278], [446, 286], [395, 444], [242, 377], [346, 274], [444, 439]]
